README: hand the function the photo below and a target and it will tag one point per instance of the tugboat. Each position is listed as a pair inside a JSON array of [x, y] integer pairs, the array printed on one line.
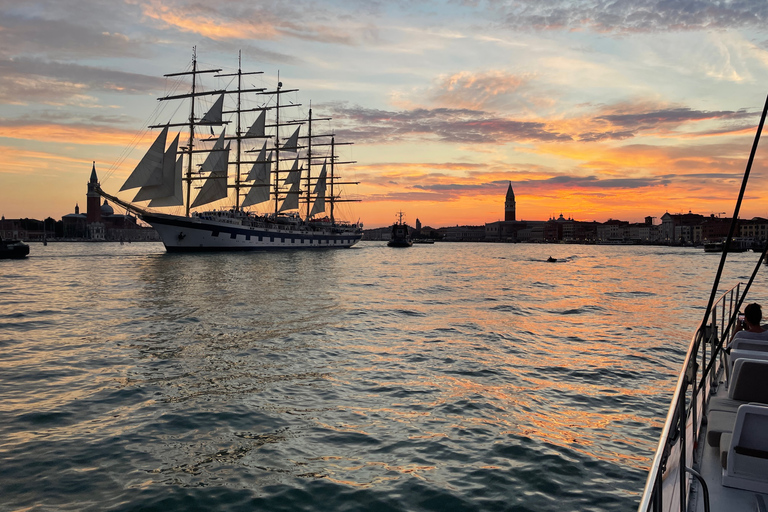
[[400, 236], [13, 249]]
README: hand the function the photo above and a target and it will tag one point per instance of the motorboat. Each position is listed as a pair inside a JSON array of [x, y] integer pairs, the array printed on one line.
[[13, 249]]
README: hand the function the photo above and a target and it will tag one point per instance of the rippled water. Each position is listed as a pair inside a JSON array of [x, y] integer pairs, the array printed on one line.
[[440, 377]]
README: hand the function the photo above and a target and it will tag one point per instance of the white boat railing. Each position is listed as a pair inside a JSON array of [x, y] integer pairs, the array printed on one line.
[[669, 478]]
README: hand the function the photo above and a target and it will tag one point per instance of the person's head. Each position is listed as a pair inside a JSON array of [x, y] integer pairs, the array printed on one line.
[[753, 314]]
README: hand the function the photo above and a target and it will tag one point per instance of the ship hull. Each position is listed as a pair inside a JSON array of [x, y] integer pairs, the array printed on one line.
[[205, 233]]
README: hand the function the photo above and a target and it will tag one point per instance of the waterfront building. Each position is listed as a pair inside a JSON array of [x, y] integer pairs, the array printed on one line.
[[755, 228], [613, 230], [644, 232], [682, 228], [75, 225], [463, 234]]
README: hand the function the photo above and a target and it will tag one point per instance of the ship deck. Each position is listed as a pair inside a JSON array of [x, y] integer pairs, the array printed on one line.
[[721, 498]]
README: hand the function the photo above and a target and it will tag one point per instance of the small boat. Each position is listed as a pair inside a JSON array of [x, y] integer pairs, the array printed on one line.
[[552, 260], [13, 249], [400, 234]]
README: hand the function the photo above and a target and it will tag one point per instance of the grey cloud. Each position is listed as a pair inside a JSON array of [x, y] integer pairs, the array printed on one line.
[[33, 80], [448, 125], [624, 16], [61, 39], [670, 116]]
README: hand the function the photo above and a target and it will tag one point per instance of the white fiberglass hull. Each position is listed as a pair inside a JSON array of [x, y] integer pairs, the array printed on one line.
[[188, 234]]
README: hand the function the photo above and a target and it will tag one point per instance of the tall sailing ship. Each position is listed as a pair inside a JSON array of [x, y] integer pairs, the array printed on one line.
[[293, 178]]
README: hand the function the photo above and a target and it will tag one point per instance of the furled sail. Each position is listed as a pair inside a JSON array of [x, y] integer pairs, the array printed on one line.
[[259, 174], [177, 199], [168, 179], [217, 162], [258, 127], [292, 144], [214, 115], [319, 205], [145, 174], [291, 201]]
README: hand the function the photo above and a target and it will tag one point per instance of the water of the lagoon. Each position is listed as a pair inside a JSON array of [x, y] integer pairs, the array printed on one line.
[[441, 377]]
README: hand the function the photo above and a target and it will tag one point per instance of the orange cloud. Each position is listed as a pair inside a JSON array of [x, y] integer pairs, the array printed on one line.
[[208, 22], [80, 134]]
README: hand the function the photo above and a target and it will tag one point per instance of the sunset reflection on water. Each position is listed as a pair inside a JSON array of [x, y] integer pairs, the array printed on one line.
[[469, 374]]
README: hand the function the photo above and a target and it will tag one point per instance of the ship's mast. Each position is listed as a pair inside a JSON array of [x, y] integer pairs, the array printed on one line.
[[278, 106], [238, 132], [309, 162], [191, 143], [192, 122], [238, 112], [277, 144], [333, 199], [333, 177]]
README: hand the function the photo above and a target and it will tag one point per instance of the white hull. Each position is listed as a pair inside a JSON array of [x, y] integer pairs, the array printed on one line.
[[238, 233]]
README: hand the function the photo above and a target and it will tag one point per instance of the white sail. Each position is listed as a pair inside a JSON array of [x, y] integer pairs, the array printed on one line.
[[214, 115], [146, 173], [319, 205], [217, 163], [168, 180], [211, 162], [292, 143], [258, 126], [262, 164], [259, 174], [177, 199], [294, 175], [291, 201]]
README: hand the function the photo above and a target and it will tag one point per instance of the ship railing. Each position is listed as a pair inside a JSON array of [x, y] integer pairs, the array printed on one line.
[[672, 470]]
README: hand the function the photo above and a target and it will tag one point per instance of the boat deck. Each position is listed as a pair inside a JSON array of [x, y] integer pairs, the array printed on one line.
[[721, 498]]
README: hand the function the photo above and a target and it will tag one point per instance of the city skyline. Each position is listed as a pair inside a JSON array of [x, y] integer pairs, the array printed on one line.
[[593, 112]]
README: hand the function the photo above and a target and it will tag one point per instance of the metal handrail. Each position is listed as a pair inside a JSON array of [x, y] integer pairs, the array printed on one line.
[[690, 391]]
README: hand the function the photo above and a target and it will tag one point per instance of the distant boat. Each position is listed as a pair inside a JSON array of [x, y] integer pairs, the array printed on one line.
[[13, 249], [400, 236], [737, 245], [714, 247], [551, 259]]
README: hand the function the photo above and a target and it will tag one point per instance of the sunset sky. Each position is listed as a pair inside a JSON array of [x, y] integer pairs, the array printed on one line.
[[592, 109]]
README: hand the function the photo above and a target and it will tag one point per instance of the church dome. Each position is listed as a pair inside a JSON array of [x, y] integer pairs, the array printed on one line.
[[106, 209]]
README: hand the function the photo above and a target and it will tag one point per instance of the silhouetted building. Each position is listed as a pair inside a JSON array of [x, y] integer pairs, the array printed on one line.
[[101, 223], [510, 205], [75, 225]]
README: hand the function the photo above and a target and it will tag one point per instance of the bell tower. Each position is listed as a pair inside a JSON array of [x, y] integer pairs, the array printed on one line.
[[509, 205], [93, 203]]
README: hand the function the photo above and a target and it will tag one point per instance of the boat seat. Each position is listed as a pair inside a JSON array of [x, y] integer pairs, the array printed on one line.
[[719, 423], [740, 353], [725, 443], [749, 344], [747, 458], [749, 384]]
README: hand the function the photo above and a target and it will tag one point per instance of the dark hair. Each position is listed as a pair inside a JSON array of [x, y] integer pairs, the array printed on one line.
[[753, 314]]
